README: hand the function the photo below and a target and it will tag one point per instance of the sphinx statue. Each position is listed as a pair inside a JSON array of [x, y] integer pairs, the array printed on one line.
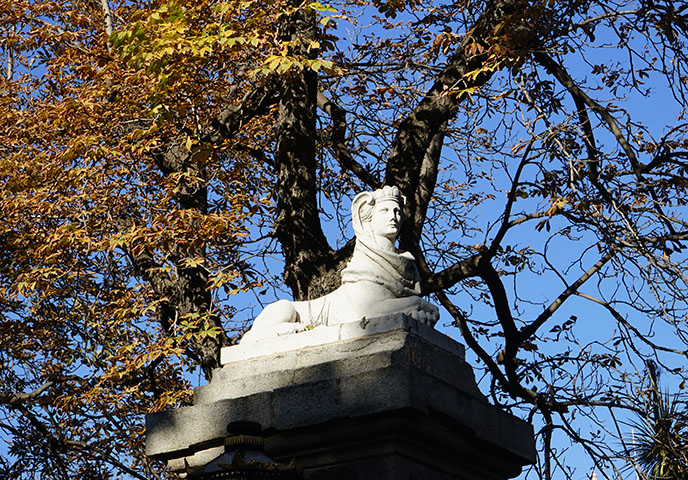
[[378, 280]]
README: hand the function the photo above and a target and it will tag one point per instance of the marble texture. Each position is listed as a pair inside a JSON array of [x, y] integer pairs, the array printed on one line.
[[330, 334], [379, 280]]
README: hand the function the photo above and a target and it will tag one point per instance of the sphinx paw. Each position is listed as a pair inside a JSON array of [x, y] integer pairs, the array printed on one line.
[[289, 328], [426, 313]]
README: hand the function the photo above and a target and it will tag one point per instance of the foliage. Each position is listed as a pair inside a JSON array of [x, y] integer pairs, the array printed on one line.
[[658, 447], [159, 158]]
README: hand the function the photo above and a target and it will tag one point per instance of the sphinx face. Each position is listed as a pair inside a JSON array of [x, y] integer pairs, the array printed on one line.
[[386, 219]]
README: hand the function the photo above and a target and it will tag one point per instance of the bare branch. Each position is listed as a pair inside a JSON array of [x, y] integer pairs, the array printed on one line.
[[623, 321], [501, 304], [105, 4], [565, 79], [18, 398], [452, 275], [530, 329], [451, 87], [582, 100], [338, 138], [604, 16], [511, 198], [427, 180], [461, 322]]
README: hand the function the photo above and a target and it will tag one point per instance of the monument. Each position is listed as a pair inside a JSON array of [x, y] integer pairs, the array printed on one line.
[[354, 385], [379, 280]]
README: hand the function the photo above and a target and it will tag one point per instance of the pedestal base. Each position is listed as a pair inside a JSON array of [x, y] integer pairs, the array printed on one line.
[[390, 400]]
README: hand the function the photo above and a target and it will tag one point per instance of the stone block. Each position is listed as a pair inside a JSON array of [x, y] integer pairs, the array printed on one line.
[[388, 395]]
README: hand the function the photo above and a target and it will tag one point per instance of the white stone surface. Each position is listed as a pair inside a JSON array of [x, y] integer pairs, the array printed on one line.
[[379, 280], [324, 334]]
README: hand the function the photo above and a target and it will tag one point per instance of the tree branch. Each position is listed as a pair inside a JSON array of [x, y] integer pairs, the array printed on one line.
[[19, 398], [529, 330], [450, 276], [565, 79], [418, 129], [461, 322], [582, 99], [107, 13], [9, 72], [511, 198], [622, 321], [338, 138], [512, 337], [297, 226], [427, 180], [257, 101], [501, 303]]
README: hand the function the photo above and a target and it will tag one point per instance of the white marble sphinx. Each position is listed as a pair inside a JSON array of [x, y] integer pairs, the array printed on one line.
[[378, 280]]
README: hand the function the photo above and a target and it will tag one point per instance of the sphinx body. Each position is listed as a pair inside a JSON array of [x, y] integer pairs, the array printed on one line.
[[378, 280]]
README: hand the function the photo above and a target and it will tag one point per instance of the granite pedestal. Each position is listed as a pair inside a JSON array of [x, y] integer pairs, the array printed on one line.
[[380, 399]]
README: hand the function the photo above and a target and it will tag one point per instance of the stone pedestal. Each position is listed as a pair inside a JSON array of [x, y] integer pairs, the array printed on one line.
[[381, 399]]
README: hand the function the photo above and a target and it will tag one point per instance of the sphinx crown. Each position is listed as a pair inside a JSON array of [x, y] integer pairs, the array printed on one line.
[[389, 193]]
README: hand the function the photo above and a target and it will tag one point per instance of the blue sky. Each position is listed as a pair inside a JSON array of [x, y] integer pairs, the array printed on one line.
[[594, 328]]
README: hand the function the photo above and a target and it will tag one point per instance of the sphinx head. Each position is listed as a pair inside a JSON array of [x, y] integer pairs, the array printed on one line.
[[377, 215]]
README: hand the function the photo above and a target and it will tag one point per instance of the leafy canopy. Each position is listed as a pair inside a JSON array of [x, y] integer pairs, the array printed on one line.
[[168, 166]]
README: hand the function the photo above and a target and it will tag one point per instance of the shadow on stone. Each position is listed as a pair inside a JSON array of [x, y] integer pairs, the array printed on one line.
[[385, 399]]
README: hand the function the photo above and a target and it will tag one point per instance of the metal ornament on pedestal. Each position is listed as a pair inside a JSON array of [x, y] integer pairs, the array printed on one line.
[[245, 459]]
